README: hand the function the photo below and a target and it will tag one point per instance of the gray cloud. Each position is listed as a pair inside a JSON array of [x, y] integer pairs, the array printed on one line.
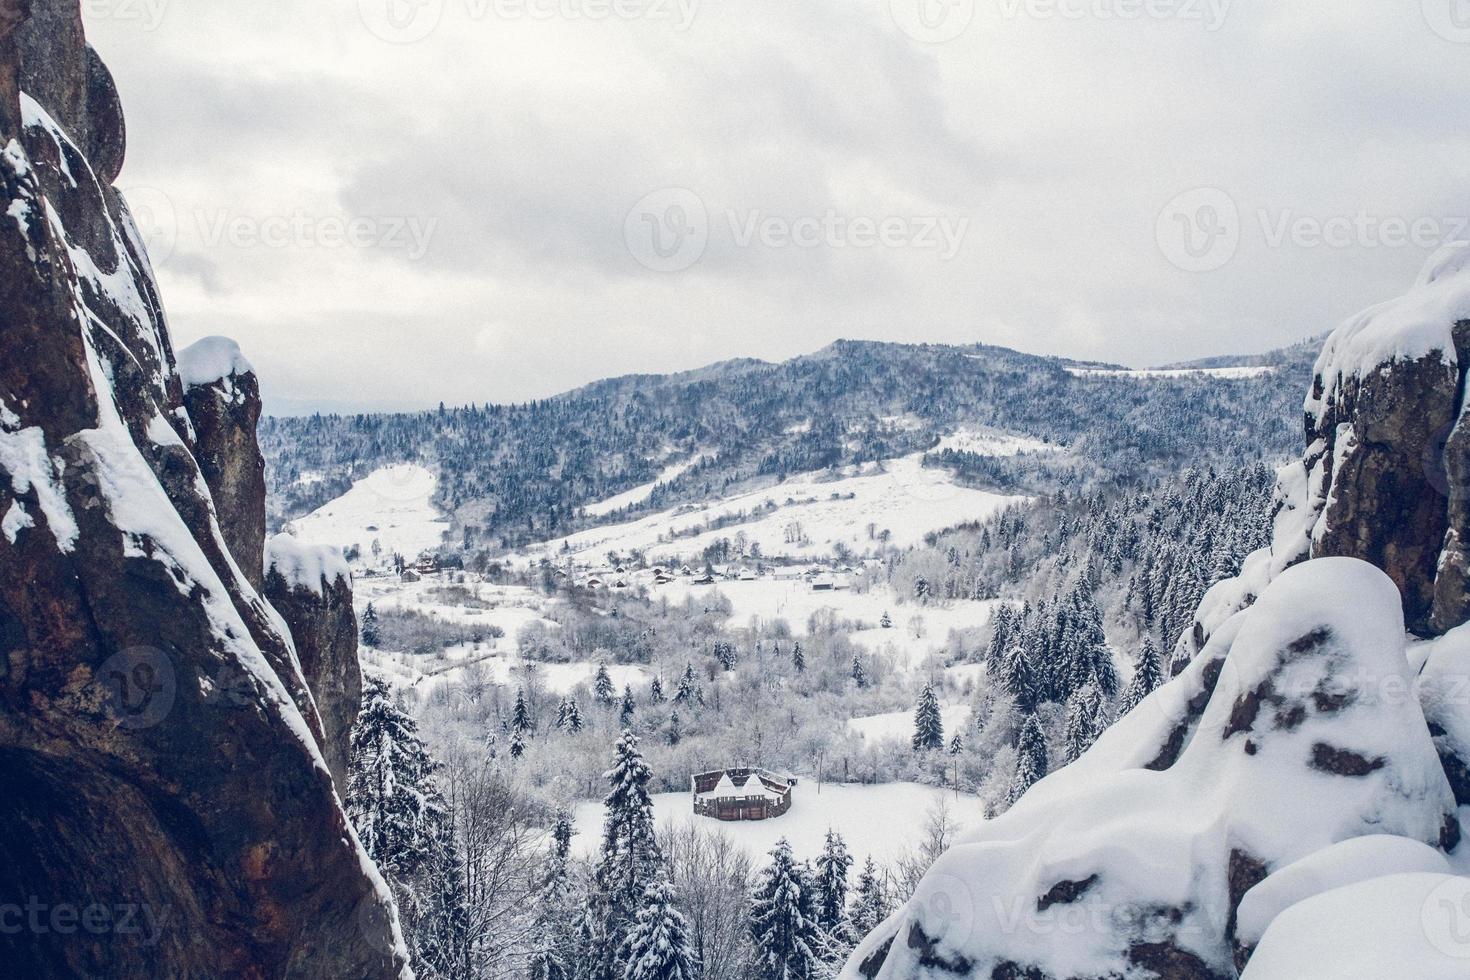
[[290, 142]]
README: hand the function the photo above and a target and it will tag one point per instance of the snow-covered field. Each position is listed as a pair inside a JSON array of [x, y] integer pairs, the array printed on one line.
[[1227, 373], [884, 821], [641, 493], [392, 506], [899, 725], [804, 516]]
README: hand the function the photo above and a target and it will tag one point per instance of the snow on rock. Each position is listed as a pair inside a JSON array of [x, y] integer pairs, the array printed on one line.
[[1284, 737], [1346, 863], [211, 359], [314, 567], [1407, 925]]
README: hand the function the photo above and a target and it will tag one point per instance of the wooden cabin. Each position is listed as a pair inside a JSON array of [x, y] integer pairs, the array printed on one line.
[[741, 794]]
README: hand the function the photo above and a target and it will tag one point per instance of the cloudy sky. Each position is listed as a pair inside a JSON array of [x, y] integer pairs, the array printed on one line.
[[395, 202]]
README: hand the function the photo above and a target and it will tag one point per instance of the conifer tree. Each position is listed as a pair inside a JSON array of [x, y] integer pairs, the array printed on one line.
[[688, 686], [859, 675], [870, 903], [887, 621], [1085, 721], [603, 691], [833, 867], [1031, 761], [656, 690], [675, 734], [928, 723], [625, 713], [798, 658], [658, 945], [783, 919], [957, 744], [630, 858], [1147, 676], [371, 633], [517, 745], [520, 719]]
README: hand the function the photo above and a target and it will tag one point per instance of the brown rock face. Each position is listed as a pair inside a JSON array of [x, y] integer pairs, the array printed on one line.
[[1394, 484], [224, 414], [324, 626], [165, 806]]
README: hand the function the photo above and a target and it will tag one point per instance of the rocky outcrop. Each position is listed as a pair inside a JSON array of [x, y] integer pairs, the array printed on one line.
[[1135, 859], [162, 782], [311, 587], [1386, 473], [222, 398]]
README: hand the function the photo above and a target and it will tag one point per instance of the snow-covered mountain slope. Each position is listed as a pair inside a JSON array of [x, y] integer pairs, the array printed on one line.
[[1220, 811], [896, 502], [391, 510]]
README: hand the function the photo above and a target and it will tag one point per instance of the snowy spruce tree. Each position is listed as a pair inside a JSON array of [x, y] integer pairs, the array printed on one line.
[[675, 733], [555, 923], [870, 901], [627, 708], [656, 690], [957, 744], [1147, 676], [630, 859], [602, 686], [657, 946], [833, 867], [1031, 761], [394, 802], [798, 658], [688, 691], [928, 723], [1086, 720], [371, 632], [783, 920], [859, 675], [520, 719]]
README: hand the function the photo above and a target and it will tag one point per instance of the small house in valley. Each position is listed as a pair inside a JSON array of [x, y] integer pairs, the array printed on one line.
[[741, 794]]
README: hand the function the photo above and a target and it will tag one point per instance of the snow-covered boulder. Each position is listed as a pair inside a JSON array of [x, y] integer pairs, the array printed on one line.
[[1408, 925], [1347, 863], [1288, 735]]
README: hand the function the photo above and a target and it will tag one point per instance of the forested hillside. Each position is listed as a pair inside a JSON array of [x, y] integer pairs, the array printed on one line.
[[520, 473]]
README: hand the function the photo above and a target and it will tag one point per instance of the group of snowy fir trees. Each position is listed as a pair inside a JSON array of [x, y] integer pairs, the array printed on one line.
[[395, 804], [1055, 655]]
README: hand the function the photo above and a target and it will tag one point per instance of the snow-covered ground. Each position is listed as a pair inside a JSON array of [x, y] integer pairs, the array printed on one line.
[[884, 821], [899, 725], [804, 516], [392, 506], [641, 493], [1228, 373]]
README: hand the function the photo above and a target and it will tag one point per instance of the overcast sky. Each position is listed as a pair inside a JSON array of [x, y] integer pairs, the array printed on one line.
[[395, 202]]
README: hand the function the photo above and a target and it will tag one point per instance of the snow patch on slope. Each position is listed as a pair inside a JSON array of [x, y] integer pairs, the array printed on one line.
[[314, 567], [393, 506]]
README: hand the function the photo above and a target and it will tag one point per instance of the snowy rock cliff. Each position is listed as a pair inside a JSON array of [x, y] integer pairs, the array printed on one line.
[[158, 741], [311, 587], [222, 399], [1215, 831]]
